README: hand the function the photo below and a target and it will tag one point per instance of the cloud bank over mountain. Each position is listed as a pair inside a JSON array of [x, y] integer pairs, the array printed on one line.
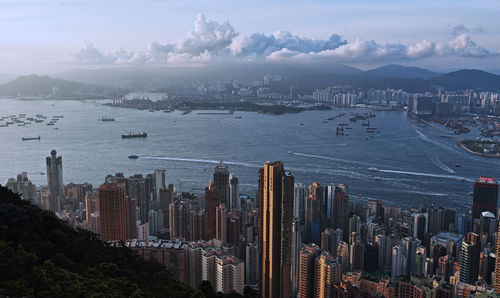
[[211, 41]]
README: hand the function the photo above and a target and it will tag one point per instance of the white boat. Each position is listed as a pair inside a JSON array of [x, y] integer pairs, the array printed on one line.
[[290, 152], [372, 169], [377, 178]]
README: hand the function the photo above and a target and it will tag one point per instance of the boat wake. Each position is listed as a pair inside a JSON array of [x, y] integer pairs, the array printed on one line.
[[329, 158], [437, 162], [209, 161], [426, 175]]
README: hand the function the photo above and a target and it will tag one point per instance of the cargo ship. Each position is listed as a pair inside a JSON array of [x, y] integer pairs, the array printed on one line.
[[29, 139], [135, 135]]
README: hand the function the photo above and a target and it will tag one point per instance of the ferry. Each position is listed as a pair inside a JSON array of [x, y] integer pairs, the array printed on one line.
[[135, 135], [133, 156], [372, 169]]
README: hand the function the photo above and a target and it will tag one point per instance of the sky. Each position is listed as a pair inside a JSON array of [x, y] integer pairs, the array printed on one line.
[[45, 36]]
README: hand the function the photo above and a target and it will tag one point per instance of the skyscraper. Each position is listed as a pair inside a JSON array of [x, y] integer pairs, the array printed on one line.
[[314, 214], [341, 209], [469, 259], [276, 206], [159, 183], [211, 203], [234, 194], [221, 223], [327, 273], [113, 212], [54, 174], [178, 217], [306, 271], [221, 179], [497, 262], [485, 196]]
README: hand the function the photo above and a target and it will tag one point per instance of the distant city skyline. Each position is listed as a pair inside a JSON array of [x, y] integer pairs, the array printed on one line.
[[49, 37]]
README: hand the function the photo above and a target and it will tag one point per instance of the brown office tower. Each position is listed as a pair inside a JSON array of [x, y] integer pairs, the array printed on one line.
[[485, 196], [211, 203], [276, 206], [113, 212]]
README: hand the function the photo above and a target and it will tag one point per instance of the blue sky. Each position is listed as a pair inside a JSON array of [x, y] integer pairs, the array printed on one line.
[[49, 36]]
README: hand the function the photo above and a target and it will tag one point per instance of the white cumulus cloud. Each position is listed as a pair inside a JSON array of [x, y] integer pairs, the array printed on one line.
[[210, 40]]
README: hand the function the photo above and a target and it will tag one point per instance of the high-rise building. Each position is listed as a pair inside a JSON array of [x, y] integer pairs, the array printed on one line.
[[197, 224], [221, 179], [327, 273], [296, 247], [252, 264], [343, 255], [159, 183], [329, 240], [341, 209], [397, 253], [469, 259], [485, 196], [221, 223], [299, 201], [55, 174], [276, 207], [113, 212], [308, 255], [234, 194], [497, 262], [328, 206], [211, 203], [178, 217], [230, 274], [314, 221], [356, 255]]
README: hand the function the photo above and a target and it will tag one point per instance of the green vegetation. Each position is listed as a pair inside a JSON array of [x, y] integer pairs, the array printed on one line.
[[40, 256]]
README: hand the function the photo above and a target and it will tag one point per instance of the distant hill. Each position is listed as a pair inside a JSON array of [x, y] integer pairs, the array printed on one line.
[[468, 79], [34, 85], [399, 71]]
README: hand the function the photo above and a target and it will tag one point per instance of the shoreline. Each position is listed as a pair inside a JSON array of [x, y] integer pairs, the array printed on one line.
[[461, 145]]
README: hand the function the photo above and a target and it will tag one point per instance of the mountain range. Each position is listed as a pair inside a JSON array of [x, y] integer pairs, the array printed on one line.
[[305, 78]]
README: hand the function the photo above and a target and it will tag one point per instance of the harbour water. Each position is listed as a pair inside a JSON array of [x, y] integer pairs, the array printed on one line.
[[413, 162]]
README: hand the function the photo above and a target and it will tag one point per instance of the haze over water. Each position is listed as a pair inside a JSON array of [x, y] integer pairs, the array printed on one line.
[[414, 162]]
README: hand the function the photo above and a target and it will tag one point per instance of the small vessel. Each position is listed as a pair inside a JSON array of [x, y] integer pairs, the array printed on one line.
[[290, 152], [453, 172], [461, 179], [135, 135], [58, 116], [104, 118], [29, 139], [377, 178], [42, 173], [372, 169], [237, 117], [301, 124], [133, 156], [458, 165]]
